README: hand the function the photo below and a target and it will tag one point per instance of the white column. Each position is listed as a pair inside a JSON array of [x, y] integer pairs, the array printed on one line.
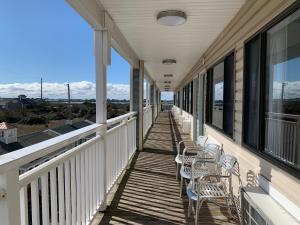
[[102, 58], [10, 198], [131, 90]]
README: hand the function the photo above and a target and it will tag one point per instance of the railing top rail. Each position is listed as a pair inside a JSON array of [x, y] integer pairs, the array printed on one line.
[[119, 119], [25, 155], [283, 115], [147, 107]]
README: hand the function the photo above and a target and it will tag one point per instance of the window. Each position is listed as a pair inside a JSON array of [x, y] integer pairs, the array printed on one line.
[[191, 98], [220, 95], [271, 116], [251, 93]]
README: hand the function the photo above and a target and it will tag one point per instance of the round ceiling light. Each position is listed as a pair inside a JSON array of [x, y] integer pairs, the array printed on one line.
[[169, 61], [171, 18]]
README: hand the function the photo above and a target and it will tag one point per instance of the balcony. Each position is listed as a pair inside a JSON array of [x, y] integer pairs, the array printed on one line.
[[126, 185], [122, 170]]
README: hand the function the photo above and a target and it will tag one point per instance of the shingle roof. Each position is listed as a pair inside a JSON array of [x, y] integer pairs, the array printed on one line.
[[6, 126], [70, 127]]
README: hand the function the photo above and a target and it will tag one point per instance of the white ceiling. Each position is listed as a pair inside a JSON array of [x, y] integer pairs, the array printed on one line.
[[153, 42]]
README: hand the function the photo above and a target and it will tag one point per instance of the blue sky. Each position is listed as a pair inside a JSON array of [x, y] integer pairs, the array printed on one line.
[[49, 39]]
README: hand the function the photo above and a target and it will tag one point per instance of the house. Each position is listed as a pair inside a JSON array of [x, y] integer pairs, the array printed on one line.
[[8, 133]]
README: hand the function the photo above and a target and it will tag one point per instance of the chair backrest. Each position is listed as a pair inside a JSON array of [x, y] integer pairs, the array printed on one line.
[[201, 140], [213, 150], [227, 162]]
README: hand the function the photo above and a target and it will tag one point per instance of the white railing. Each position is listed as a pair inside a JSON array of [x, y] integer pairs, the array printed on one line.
[[147, 119], [69, 188], [282, 135]]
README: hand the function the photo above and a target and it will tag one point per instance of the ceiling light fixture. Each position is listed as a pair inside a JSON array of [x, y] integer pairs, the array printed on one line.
[[169, 61], [171, 18], [168, 75]]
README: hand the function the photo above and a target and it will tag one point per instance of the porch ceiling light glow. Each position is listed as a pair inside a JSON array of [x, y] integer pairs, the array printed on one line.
[[168, 75], [171, 18], [169, 61]]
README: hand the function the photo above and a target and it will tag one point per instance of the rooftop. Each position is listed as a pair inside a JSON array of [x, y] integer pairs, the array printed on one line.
[[6, 126]]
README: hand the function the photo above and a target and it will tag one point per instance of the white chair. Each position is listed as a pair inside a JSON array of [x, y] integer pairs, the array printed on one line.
[[211, 186], [201, 140], [210, 153]]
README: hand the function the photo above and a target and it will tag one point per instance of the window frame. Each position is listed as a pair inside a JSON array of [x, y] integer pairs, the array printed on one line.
[[262, 36], [209, 94]]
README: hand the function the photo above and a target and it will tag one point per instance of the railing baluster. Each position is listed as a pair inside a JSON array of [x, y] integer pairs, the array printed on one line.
[[45, 199], [82, 188], [87, 197], [73, 191], [53, 194], [35, 206], [24, 205], [90, 176], [94, 177], [61, 195], [78, 188], [67, 193]]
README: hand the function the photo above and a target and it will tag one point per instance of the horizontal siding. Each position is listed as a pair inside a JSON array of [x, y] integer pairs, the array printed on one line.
[[252, 17]]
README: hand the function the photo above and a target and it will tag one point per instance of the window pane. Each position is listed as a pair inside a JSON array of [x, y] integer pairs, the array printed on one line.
[[228, 104], [208, 113], [282, 116], [218, 92], [251, 93]]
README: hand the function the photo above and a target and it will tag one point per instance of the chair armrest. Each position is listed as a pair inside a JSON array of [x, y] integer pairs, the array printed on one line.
[[182, 142], [215, 176]]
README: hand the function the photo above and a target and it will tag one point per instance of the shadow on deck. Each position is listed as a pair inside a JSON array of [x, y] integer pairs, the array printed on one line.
[[149, 192]]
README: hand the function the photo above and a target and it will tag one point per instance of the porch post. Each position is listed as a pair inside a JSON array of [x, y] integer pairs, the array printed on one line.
[[138, 101], [181, 100], [152, 101], [102, 58], [195, 94], [10, 198]]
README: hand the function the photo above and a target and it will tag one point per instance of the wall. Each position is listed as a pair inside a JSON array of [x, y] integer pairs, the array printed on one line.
[[253, 15]]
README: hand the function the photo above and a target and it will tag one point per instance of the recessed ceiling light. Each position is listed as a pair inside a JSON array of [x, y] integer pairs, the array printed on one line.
[[171, 18], [167, 86], [168, 75], [169, 61], [167, 82]]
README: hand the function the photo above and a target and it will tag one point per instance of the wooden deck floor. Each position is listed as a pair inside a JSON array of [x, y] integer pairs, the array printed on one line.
[[149, 192]]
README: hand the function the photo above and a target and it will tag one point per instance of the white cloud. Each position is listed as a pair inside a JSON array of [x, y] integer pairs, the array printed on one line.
[[79, 90], [291, 90]]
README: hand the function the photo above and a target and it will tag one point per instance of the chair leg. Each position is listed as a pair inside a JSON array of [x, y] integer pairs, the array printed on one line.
[[198, 206], [228, 208], [190, 208], [177, 170], [181, 186]]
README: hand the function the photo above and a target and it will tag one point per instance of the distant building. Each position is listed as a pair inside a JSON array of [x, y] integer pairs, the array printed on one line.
[[8, 133]]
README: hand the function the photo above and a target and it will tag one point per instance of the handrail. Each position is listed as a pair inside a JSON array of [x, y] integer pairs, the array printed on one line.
[[119, 119], [30, 153], [147, 107]]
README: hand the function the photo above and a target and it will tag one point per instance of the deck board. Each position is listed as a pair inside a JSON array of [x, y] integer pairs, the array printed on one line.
[[149, 192]]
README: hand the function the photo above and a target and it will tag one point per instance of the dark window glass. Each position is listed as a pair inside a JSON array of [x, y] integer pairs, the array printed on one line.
[[218, 94], [282, 102], [208, 113], [192, 89], [251, 92], [228, 103]]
